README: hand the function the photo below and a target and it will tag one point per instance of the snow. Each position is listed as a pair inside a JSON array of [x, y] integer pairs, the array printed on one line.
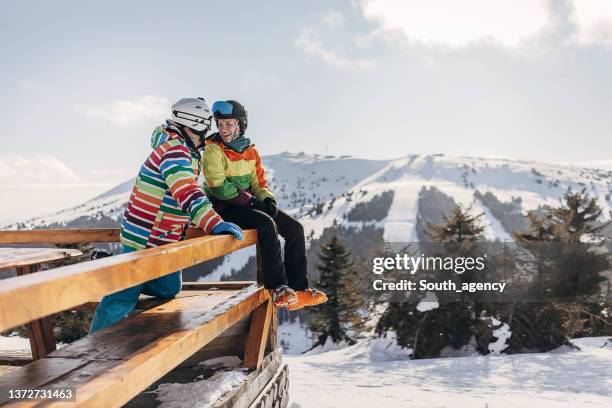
[[18, 346], [503, 333], [14, 343], [105, 205], [222, 362], [231, 263], [200, 394], [300, 181], [493, 228], [293, 337], [365, 375], [429, 302], [386, 349]]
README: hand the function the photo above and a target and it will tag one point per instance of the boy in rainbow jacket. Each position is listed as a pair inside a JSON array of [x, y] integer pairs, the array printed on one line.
[[236, 184], [166, 197]]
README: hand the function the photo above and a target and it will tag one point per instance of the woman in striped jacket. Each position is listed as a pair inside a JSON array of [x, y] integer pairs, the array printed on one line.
[[166, 197]]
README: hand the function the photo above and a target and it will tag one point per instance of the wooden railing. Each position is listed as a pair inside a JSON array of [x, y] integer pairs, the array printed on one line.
[[29, 297], [60, 236]]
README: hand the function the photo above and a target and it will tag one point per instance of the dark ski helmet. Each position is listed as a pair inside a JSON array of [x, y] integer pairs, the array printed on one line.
[[231, 110]]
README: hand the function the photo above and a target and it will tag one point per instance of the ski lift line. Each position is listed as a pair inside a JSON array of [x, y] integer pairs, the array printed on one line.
[[30, 297]]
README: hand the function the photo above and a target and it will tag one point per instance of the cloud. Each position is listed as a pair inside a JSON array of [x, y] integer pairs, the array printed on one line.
[[461, 23], [128, 112], [333, 19], [26, 85], [309, 42], [34, 170], [592, 20]]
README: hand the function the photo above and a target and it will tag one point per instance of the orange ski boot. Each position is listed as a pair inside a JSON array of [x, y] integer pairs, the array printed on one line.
[[308, 297], [283, 296]]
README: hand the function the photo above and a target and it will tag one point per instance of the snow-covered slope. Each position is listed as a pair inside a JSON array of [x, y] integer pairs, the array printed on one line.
[[375, 373], [321, 190], [534, 183]]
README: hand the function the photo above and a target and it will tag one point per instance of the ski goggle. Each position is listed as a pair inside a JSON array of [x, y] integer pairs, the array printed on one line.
[[222, 107]]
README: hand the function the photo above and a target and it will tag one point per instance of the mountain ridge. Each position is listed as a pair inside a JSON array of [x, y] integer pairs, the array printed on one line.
[[322, 190]]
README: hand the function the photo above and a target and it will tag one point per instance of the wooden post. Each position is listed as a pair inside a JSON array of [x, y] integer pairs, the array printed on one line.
[[40, 332], [258, 334], [272, 336], [260, 280]]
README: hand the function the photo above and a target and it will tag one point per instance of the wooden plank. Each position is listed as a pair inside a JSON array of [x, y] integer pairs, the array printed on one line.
[[40, 332], [258, 334], [16, 257], [283, 370], [40, 372], [259, 265], [145, 327], [243, 395], [25, 298], [7, 369], [111, 378], [60, 236], [221, 285], [273, 336]]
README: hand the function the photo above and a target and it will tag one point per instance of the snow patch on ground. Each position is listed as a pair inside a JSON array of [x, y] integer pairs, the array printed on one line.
[[14, 343], [293, 337], [356, 376], [429, 302], [386, 349], [503, 333], [200, 394], [222, 362]]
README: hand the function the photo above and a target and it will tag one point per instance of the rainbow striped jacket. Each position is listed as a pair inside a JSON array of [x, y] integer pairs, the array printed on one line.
[[166, 196]]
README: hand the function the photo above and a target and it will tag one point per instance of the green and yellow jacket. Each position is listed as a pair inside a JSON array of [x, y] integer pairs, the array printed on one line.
[[233, 172]]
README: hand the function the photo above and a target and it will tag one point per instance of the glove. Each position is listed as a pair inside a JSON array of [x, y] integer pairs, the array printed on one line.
[[228, 228], [268, 206], [271, 208]]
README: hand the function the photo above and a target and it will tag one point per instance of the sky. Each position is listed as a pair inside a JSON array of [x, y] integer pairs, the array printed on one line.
[[84, 83]]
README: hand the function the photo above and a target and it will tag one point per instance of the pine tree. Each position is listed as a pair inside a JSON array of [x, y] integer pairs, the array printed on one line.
[[461, 227], [565, 242], [452, 323], [339, 318]]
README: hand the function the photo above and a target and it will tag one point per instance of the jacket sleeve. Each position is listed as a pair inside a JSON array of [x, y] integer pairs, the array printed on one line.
[[175, 167], [213, 169], [258, 182]]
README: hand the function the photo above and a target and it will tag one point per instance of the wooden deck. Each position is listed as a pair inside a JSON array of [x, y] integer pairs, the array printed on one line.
[[111, 367]]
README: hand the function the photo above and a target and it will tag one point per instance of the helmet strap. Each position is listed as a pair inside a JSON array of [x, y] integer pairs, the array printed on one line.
[[189, 141]]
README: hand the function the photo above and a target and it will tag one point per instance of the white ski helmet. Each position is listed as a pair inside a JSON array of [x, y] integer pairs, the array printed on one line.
[[193, 113]]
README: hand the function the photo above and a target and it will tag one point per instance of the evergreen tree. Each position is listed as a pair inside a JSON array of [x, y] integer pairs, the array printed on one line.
[[451, 324], [566, 245], [460, 227], [339, 318]]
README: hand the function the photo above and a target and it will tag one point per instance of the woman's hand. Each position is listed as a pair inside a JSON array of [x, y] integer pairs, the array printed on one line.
[[228, 228]]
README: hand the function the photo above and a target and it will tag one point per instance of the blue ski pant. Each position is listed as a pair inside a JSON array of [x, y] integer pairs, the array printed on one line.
[[116, 306]]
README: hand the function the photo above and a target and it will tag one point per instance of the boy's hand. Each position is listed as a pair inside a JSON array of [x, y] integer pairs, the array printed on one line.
[[268, 206]]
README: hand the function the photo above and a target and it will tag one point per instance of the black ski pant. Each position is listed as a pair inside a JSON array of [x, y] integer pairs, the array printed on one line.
[[268, 230]]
